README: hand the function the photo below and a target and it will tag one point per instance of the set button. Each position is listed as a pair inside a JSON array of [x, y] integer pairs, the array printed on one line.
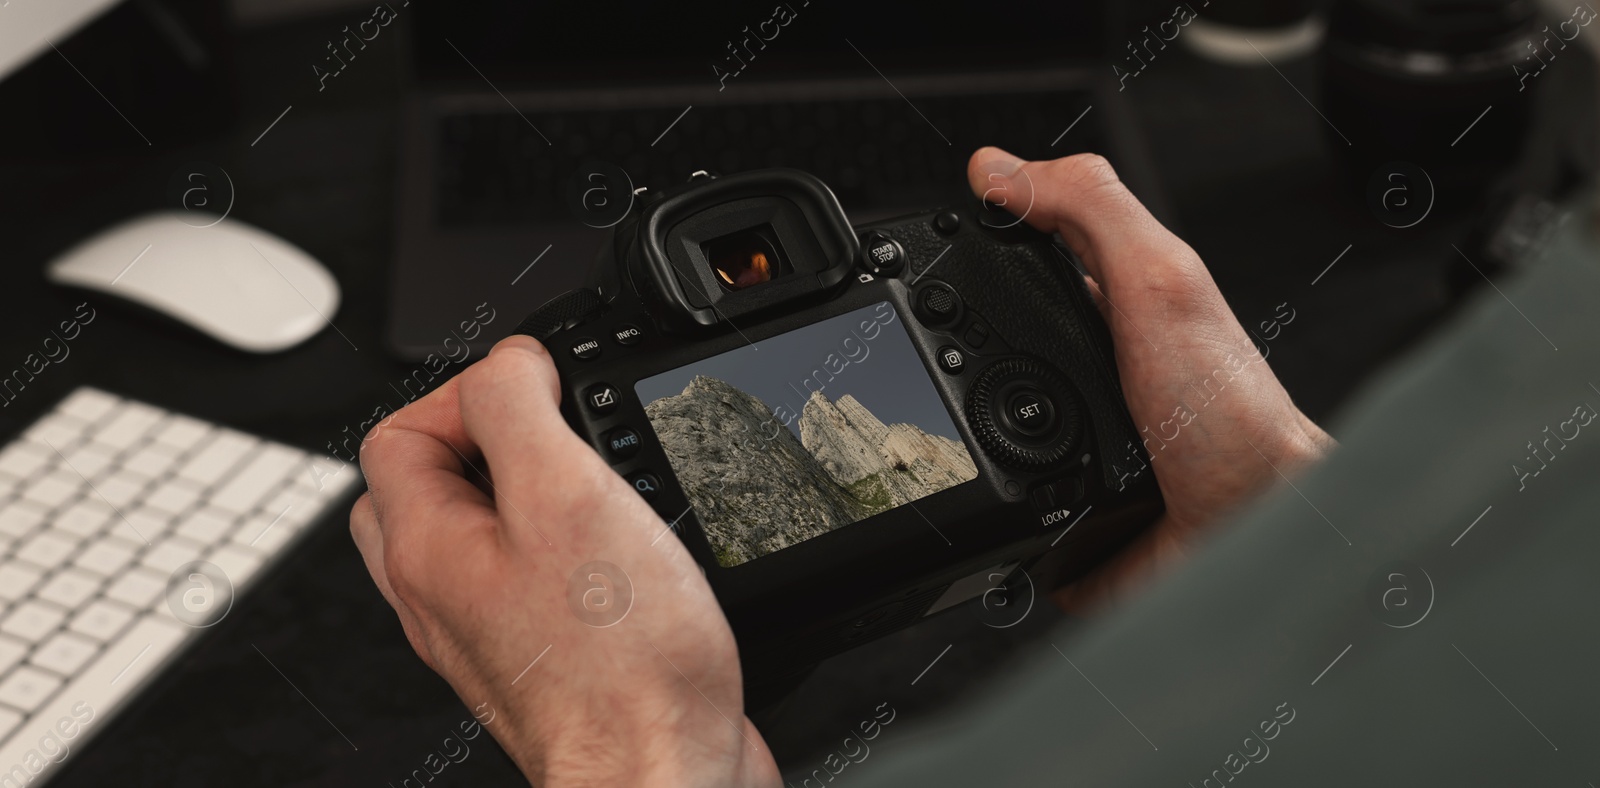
[[1031, 412]]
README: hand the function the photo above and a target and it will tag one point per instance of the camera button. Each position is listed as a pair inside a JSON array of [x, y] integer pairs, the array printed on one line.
[[951, 360], [586, 348], [1044, 498], [645, 483], [882, 255], [627, 334], [601, 398], [1030, 412], [976, 335], [938, 305], [622, 443]]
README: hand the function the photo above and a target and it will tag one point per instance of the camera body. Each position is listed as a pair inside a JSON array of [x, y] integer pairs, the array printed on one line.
[[850, 428]]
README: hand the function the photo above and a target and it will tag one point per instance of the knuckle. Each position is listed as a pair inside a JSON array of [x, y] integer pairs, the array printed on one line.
[[407, 570], [1087, 171]]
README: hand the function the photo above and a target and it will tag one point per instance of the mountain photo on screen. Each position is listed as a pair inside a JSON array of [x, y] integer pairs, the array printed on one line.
[[794, 436]]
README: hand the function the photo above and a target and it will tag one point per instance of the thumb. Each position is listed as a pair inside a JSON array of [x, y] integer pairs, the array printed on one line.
[[1142, 268]]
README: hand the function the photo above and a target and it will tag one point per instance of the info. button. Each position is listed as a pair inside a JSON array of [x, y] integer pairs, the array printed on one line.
[[622, 443], [627, 334]]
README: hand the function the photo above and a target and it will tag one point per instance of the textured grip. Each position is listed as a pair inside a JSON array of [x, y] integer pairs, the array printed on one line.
[[1032, 295], [569, 308]]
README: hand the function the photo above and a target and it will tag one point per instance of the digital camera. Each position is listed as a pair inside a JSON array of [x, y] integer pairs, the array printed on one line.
[[850, 428]]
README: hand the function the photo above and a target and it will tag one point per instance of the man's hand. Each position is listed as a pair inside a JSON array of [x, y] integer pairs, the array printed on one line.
[[483, 517], [1179, 351]]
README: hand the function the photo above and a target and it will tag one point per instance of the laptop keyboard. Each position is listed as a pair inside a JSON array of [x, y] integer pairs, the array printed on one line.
[[102, 501], [874, 152]]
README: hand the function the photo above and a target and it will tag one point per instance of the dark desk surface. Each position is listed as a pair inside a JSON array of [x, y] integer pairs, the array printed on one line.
[[1243, 164]]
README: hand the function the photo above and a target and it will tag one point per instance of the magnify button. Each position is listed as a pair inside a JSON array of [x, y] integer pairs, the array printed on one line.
[[647, 484]]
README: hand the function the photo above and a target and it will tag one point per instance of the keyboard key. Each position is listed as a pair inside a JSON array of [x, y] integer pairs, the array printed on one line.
[[11, 652], [182, 433], [238, 564], [264, 472], [90, 459], [54, 489], [173, 495], [19, 518], [291, 503], [102, 620], [70, 588], [128, 426], [105, 557], [217, 457], [209, 526], [261, 534], [84, 518], [32, 620], [88, 404], [23, 460], [143, 525], [99, 689], [56, 433], [28, 688], [9, 720], [64, 653], [17, 579], [120, 489], [171, 553], [47, 548], [325, 476], [151, 461], [138, 588]]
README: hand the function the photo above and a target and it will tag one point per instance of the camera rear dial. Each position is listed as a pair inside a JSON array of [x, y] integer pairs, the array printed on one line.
[[1025, 414]]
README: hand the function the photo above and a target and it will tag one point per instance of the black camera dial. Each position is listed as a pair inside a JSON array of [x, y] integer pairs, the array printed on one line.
[[1025, 413]]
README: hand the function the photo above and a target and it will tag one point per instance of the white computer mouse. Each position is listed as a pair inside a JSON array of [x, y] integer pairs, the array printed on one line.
[[237, 283]]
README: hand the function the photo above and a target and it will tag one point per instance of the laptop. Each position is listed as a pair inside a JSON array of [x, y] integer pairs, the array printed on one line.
[[525, 126]]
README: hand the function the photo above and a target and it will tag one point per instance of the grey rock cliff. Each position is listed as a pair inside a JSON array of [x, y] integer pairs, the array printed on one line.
[[887, 464], [754, 488], [757, 489]]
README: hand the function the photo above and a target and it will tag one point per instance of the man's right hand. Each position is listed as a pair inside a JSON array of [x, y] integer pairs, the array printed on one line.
[[1219, 426]]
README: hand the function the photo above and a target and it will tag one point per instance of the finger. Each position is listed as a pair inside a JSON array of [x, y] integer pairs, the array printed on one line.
[[414, 462], [369, 542], [1100, 301], [510, 406], [1137, 262]]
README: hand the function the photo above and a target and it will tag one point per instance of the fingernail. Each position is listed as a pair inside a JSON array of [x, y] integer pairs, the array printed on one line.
[[1001, 162]]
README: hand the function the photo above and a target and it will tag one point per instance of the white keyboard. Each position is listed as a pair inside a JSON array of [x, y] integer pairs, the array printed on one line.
[[102, 502]]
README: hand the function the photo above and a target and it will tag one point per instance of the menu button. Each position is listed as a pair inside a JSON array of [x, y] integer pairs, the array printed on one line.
[[585, 349]]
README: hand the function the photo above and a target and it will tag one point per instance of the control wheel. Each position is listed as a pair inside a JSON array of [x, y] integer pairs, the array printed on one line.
[[1025, 413]]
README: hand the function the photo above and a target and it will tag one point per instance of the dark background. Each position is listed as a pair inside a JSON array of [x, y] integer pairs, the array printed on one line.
[[1249, 180]]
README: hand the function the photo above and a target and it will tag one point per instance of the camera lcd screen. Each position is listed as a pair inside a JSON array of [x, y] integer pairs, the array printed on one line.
[[791, 437]]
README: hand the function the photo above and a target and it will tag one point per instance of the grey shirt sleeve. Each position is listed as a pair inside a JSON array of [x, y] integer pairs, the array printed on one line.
[[1420, 609]]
